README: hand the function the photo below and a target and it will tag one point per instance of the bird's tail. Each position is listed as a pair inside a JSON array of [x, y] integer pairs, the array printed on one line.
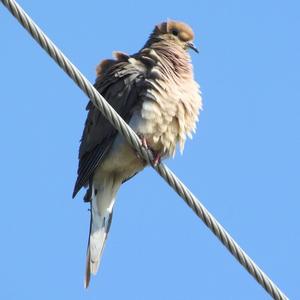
[[102, 202]]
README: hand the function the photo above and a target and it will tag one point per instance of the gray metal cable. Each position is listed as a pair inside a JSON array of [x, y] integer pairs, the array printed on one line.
[[135, 142]]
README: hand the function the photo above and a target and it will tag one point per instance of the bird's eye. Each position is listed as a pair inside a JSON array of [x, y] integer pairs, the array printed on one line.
[[175, 32]]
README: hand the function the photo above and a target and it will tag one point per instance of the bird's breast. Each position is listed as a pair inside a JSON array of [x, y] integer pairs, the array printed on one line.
[[168, 114]]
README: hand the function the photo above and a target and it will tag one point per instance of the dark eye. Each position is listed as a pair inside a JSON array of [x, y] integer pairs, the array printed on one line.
[[175, 32]]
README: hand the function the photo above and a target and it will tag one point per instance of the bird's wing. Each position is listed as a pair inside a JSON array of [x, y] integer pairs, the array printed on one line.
[[119, 82]]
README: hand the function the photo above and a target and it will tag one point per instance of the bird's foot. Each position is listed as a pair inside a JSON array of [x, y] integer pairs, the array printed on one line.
[[156, 155], [157, 158], [144, 144]]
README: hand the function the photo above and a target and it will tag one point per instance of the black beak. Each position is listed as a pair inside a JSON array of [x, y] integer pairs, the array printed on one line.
[[191, 46]]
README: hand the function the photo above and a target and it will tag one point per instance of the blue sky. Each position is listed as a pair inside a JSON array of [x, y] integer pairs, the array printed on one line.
[[243, 162]]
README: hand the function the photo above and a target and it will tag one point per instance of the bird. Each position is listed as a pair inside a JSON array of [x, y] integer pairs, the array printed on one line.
[[155, 92]]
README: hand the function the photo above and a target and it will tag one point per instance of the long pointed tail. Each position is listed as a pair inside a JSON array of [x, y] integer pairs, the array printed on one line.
[[101, 217]]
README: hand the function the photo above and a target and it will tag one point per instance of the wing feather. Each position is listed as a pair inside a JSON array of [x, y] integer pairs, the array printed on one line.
[[119, 82]]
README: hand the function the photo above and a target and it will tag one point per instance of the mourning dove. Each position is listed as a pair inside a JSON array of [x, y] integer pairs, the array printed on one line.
[[155, 93]]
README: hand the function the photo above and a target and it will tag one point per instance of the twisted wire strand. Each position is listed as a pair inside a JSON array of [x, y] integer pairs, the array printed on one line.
[[135, 142]]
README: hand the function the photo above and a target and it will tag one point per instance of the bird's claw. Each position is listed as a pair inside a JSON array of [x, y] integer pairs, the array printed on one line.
[[144, 142], [156, 155], [156, 160]]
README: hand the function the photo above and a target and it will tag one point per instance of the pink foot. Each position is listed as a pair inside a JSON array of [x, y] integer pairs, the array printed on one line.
[[144, 142], [156, 159], [157, 156]]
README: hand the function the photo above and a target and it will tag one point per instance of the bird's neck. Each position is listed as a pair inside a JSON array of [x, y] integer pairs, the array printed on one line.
[[175, 58]]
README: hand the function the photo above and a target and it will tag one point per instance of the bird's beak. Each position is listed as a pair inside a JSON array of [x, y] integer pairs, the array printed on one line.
[[190, 45]]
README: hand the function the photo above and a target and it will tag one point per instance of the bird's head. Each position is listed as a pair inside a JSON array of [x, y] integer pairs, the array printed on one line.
[[176, 32]]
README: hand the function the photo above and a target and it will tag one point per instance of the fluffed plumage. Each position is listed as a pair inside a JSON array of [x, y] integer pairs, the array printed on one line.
[[155, 93]]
